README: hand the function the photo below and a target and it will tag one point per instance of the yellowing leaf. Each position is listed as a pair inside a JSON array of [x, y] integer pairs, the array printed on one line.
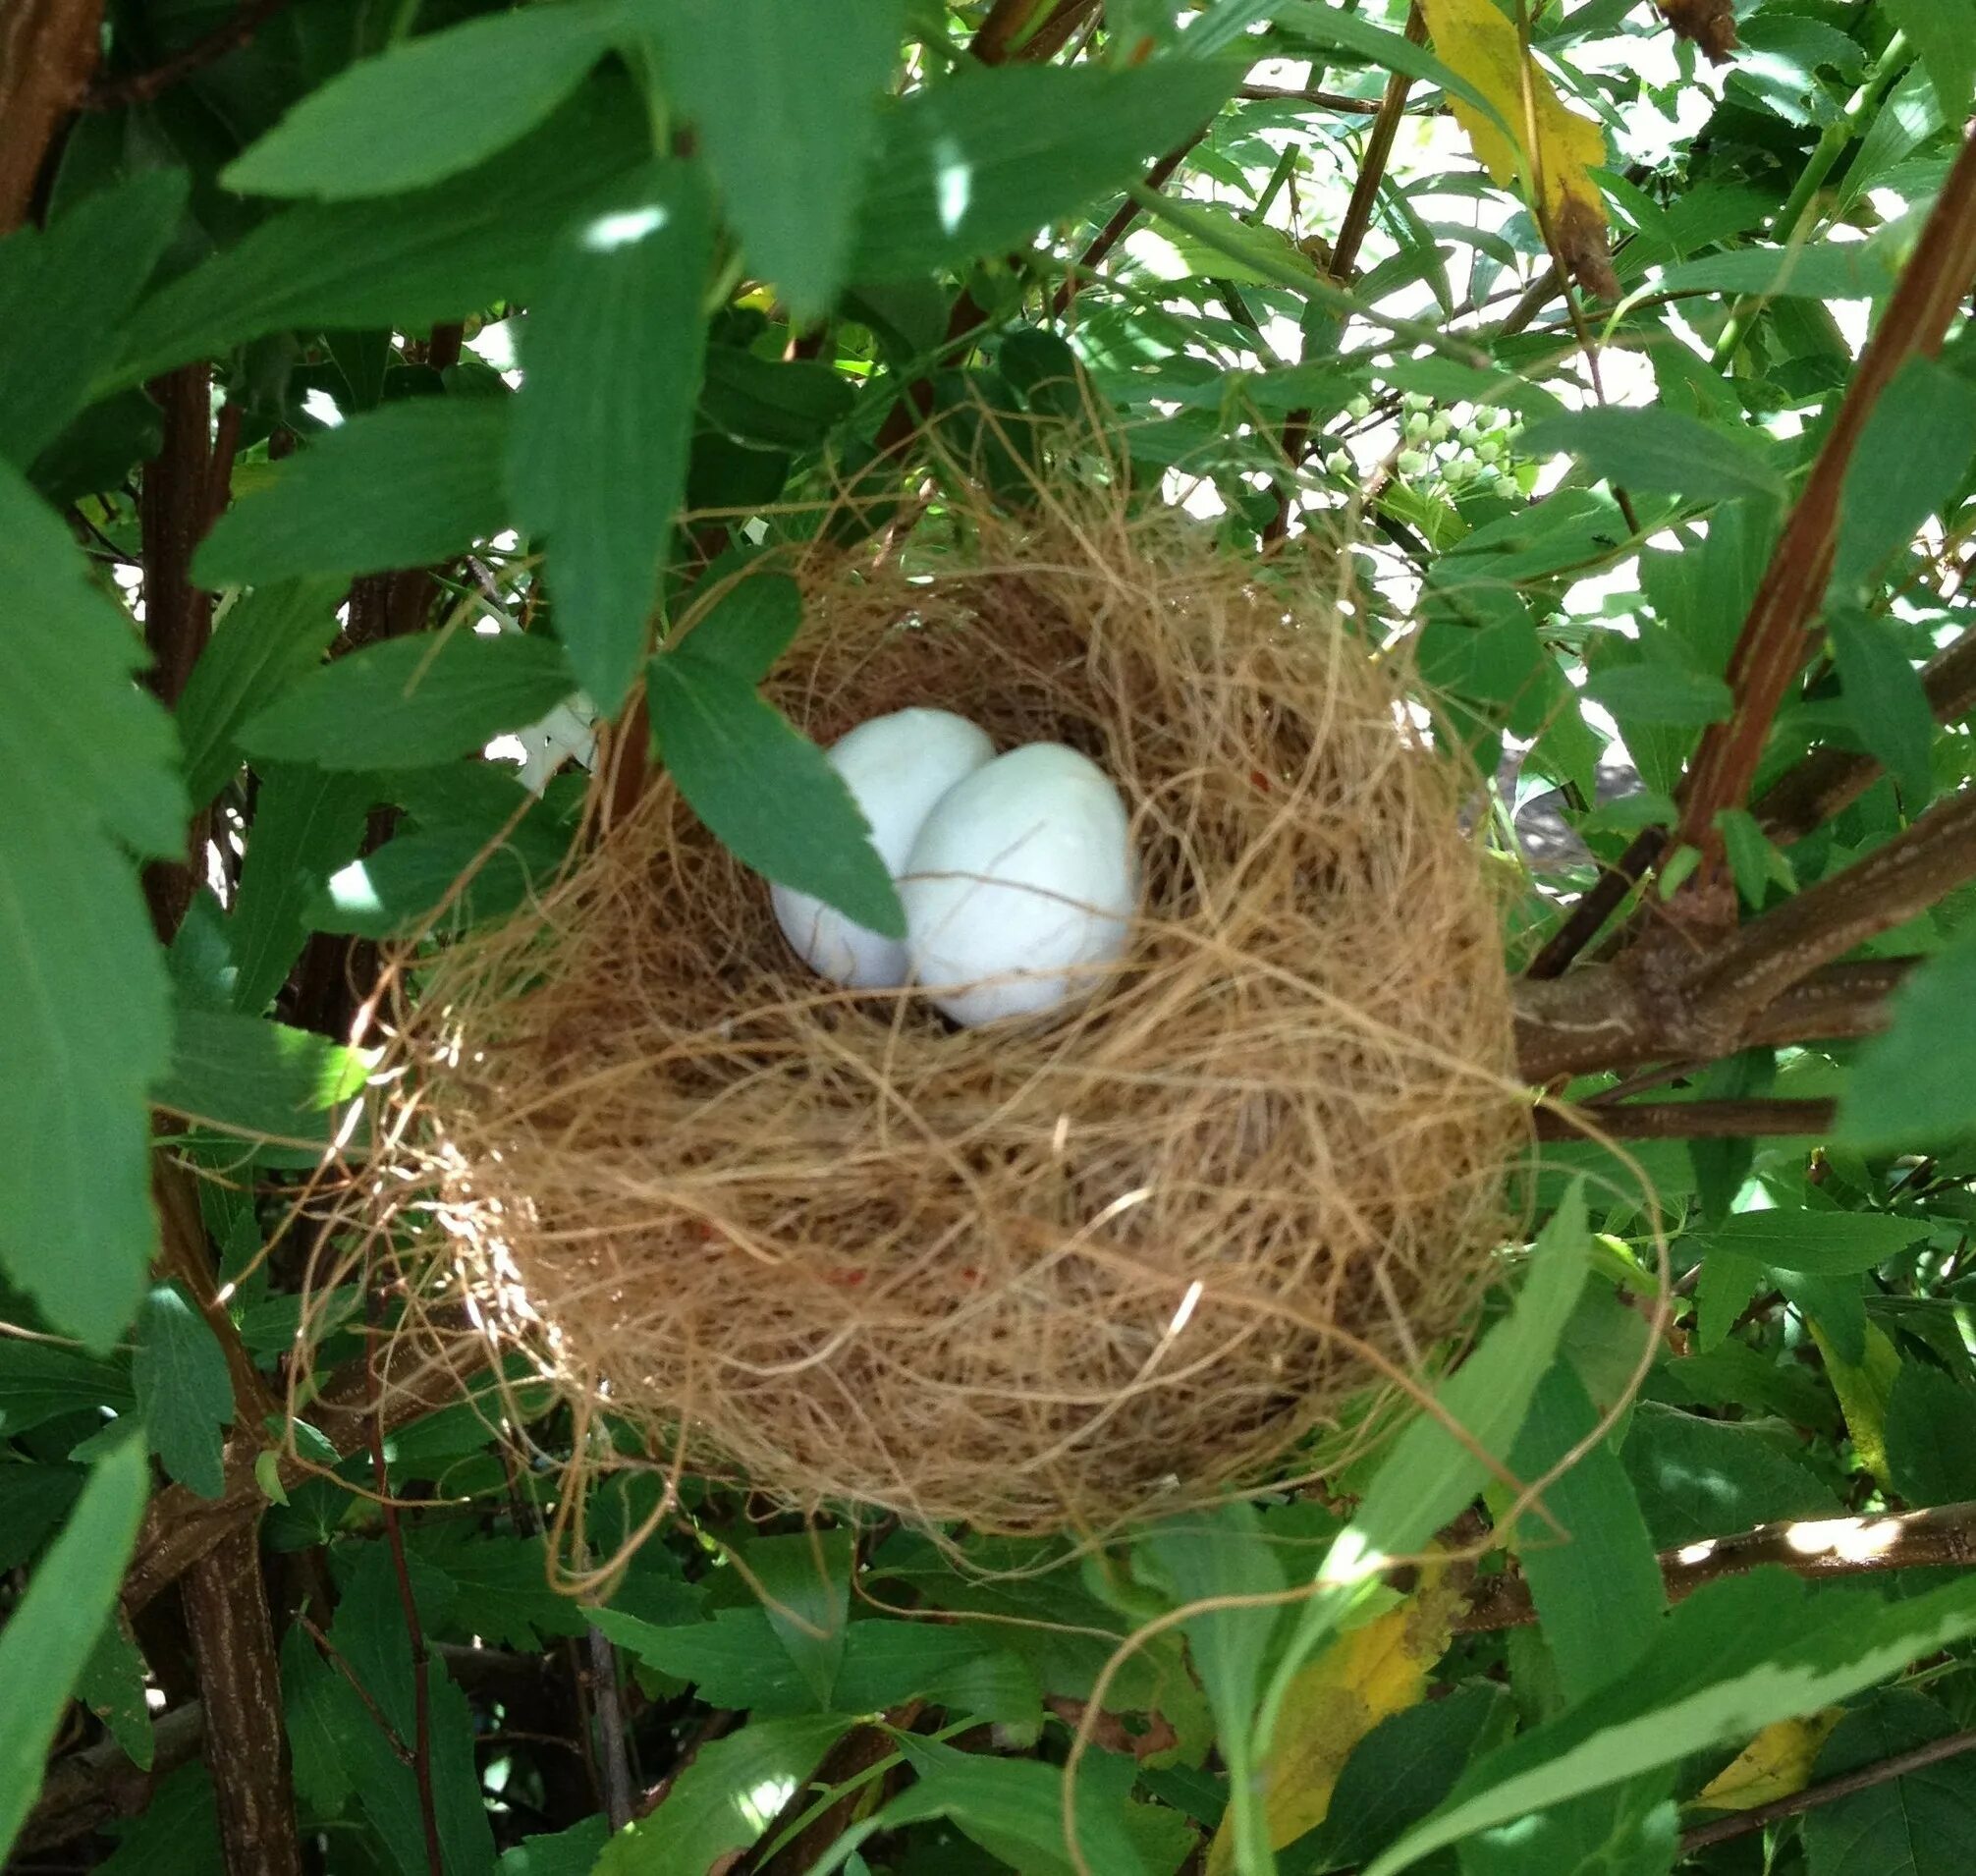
[[1363, 1678], [1554, 165], [1775, 1764], [1863, 1393]]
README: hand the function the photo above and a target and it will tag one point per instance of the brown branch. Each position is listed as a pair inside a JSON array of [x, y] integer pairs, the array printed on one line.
[[1599, 903], [1891, 885], [90, 1788], [1779, 636], [1607, 1017], [1814, 1548], [1846, 1784], [1688, 1120], [1007, 21], [1306, 95], [1357, 223], [854, 1754], [421, 1690], [1114, 231], [180, 1526], [612, 1753], [48, 48], [240, 1687], [140, 88], [1828, 781]]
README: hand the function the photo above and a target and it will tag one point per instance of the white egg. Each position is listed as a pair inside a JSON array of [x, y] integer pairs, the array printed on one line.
[[1021, 886], [896, 767]]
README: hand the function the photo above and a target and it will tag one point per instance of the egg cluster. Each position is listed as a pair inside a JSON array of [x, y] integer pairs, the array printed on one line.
[[1015, 871]]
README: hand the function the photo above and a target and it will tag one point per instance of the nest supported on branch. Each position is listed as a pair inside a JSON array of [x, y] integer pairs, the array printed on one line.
[[1028, 1276]]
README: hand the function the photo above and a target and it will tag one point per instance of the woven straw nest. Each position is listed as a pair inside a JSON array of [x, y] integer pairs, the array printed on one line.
[[1025, 1277]]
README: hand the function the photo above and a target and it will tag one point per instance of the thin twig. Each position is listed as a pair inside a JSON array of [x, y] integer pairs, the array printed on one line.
[[1599, 903], [611, 1743], [1127, 212], [1307, 94], [140, 88], [1689, 1119], [1847, 1785], [334, 1656], [1817, 1547]]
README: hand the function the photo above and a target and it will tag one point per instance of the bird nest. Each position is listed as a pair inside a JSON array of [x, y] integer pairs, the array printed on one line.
[[1025, 1276]]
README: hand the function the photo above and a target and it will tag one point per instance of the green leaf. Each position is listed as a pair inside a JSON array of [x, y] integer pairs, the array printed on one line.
[[1945, 32], [112, 1687], [1931, 1437], [1660, 692], [266, 640], [314, 1716], [804, 1583], [751, 625], [1921, 1824], [1430, 1474], [571, 1853], [1728, 1285], [177, 1834], [1910, 1087], [504, 1594], [1699, 1478], [765, 790], [1590, 1562], [84, 1023], [369, 1636], [1817, 1243], [597, 455], [53, 1629], [1401, 1768], [710, 1808], [64, 293], [184, 1391], [1910, 460], [1883, 695], [248, 1076], [1013, 1808], [33, 1499], [425, 108], [399, 890], [734, 68], [790, 404], [1631, 1829], [306, 823], [1820, 270], [1655, 450], [400, 486], [40, 1381], [1391, 50], [1738, 1655], [403, 262], [412, 701], [978, 162]]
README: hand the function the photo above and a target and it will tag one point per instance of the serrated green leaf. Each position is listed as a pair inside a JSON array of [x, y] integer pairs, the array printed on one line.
[[41, 1380], [426, 108], [1931, 1437], [751, 625], [64, 293], [1655, 450], [1818, 270], [1911, 1086], [52, 1629], [1728, 1285], [597, 455], [112, 1687], [252, 1075], [306, 823], [83, 1025], [1699, 1478], [403, 262], [805, 1583], [788, 404], [177, 1834], [710, 1808], [267, 639], [1883, 695], [1585, 1551], [977, 163], [400, 486], [571, 1853], [1945, 32], [765, 790], [1817, 1243], [410, 701], [786, 104], [1735, 1657], [184, 1391], [1660, 694], [1922, 1824], [1911, 458]]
